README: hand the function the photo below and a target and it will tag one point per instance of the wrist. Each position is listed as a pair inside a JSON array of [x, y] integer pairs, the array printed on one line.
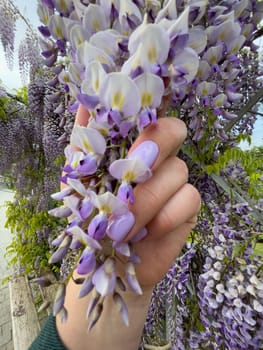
[[109, 332]]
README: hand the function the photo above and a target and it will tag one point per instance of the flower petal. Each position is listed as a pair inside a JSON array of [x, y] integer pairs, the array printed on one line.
[[97, 227], [120, 303], [120, 226], [94, 74], [132, 279], [119, 92], [88, 139], [130, 170], [151, 89], [155, 42], [104, 278], [87, 262], [108, 203], [79, 234], [78, 186], [86, 53], [86, 287], [95, 19]]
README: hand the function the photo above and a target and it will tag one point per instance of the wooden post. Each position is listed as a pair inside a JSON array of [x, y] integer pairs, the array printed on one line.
[[25, 323]]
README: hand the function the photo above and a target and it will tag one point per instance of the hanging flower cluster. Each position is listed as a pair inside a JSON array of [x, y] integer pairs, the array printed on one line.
[[122, 86], [126, 61], [8, 19]]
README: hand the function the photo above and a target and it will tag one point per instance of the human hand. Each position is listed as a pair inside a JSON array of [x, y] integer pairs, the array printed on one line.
[[167, 206]]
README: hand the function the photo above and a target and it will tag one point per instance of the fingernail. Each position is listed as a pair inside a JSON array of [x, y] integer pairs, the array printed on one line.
[[140, 235], [120, 226], [147, 151]]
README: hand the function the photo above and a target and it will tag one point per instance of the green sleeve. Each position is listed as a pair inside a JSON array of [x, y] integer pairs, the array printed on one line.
[[48, 338]]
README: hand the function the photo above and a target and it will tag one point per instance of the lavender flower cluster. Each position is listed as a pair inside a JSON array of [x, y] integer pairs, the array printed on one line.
[[122, 87], [126, 61], [29, 58], [212, 297], [230, 288], [8, 19], [15, 148]]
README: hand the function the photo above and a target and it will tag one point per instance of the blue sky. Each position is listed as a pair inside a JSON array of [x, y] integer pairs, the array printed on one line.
[[11, 79]]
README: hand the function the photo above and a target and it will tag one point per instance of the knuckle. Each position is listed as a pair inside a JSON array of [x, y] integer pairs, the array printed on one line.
[[176, 129], [182, 130], [166, 220], [195, 198], [182, 168]]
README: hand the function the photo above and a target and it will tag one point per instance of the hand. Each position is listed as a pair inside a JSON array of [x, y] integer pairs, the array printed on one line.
[[168, 207]]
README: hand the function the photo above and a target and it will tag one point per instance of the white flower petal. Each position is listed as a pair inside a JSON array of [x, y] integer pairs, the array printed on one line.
[[197, 39], [108, 203], [77, 186], [95, 19], [151, 88], [155, 42], [78, 35], [80, 235], [168, 11], [88, 139], [188, 59], [86, 53], [180, 25], [94, 74], [119, 92]]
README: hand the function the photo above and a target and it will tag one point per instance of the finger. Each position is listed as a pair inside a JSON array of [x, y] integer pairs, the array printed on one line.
[[153, 194], [168, 133], [182, 206], [158, 255], [82, 116]]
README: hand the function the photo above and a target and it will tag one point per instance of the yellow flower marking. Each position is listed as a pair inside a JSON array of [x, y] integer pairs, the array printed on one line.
[[222, 36], [146, 100], [105, 209], [63, 5], [129, 176], [75, 164], [96, 25], [59, 32], [213, 59], [87, 146], [117, 101], [96, 85], [101, 59], [152, 54]]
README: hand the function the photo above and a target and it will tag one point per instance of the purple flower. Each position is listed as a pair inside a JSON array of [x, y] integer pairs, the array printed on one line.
[[131, 278], [120, 226], [97, 227], [104, 278], [87, 261]]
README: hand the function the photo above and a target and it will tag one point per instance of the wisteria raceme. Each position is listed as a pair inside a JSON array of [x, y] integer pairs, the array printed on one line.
[[8, 19], [15, 134], [113, 99], [52, 150], [230, 286], [114, 65], [170, 304], [36, 93], [29, 58]]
